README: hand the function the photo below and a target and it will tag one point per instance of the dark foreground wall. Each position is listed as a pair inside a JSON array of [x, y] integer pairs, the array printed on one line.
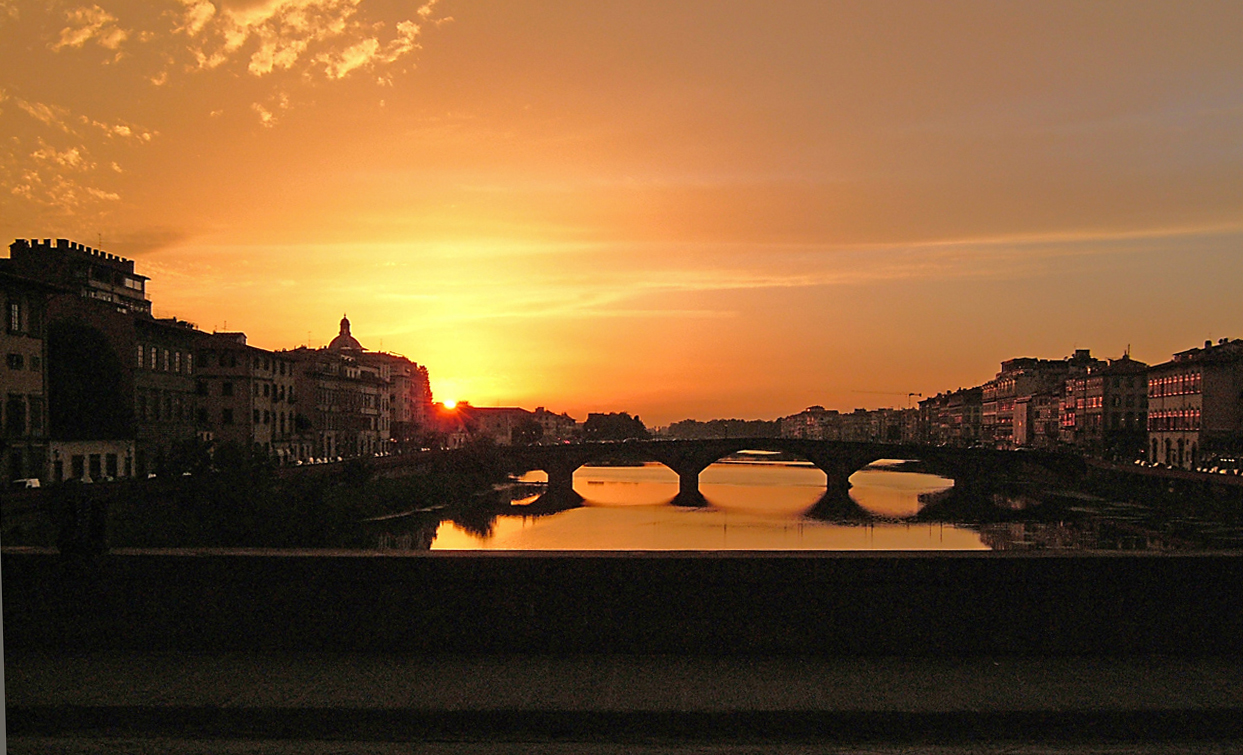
[[649, 603]]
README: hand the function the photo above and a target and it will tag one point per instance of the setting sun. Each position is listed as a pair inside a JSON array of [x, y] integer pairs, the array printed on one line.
[[450, 403]]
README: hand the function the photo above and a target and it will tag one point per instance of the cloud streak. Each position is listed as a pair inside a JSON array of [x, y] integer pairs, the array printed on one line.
[[55, 167], [91, 23], [572, 281], [331, 39]]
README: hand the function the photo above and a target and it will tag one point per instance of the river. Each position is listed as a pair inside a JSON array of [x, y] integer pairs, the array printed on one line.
[[752, 505]]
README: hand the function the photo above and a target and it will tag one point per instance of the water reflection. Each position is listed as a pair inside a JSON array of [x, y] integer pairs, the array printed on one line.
[[886, 488], [749, 506], [893, 505]]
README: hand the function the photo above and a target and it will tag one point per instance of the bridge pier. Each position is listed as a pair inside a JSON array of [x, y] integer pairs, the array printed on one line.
[[688, 482], [688, 490], [560, 479]]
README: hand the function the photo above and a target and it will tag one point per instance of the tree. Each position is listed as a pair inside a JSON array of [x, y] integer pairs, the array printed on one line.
[[613, 426], [527, 432]]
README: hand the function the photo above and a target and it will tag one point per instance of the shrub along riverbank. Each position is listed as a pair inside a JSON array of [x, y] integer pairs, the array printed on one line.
[[247, 505]]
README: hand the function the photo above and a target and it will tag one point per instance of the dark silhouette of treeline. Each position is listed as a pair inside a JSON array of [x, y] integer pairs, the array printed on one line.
[[614, 426], [689, 429]]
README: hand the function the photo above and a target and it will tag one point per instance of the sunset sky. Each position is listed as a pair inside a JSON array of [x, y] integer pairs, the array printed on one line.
[[681, 209]]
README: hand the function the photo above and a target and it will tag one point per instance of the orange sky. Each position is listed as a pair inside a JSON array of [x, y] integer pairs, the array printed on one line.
[[690, 209]]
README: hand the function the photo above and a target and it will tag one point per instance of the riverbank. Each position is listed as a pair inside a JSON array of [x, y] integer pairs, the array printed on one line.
[[252, 507]]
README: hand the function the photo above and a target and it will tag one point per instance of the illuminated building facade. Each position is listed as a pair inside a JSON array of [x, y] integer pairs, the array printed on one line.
[[1195, 406]]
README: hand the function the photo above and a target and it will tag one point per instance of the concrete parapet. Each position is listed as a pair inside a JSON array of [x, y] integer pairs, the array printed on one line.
[[702, 603]]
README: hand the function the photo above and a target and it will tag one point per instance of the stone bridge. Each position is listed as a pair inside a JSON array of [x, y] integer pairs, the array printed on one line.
[[968, 467]]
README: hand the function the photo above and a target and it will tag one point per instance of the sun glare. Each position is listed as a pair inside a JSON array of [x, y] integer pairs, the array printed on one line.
[[450, 403]]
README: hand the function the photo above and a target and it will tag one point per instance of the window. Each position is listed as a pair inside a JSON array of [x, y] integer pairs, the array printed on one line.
[[267, 390], [200, 387], [226, 389], [151, 354], [141, 354], [15, 317], [36, 415], [226, 417], [177, 362], [16, 361], [36, 363], [256, 416], [15, 415], [166, 360], [189, 363]]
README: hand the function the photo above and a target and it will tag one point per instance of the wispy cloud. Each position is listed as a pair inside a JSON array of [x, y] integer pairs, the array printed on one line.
[[314, 38], [327, 40], [55, 168], [91, 23], [270, 113]]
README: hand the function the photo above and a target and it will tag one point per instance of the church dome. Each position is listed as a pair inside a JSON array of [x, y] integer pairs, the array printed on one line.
[[344, 341]]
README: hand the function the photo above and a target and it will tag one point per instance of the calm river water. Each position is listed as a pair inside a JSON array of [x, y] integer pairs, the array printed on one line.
[[752, 506]]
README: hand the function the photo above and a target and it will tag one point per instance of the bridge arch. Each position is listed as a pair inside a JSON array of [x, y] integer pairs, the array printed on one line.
[[688, 458]]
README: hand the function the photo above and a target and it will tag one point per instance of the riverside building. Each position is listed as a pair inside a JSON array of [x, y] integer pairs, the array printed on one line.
[[358, 403], [93, 273], [1195, 406], [120, 388], [1105, 412], [23, 377], [1025, 378], [247, 396]]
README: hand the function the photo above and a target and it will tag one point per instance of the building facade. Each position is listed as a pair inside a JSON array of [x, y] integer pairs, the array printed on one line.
[[953, 418], [1104, 412], [248, 396], [1195, 406], [165, 400], [813, 423], [556, 428], [92, 273], [23, 378], [405, 403], [1027, 378]]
